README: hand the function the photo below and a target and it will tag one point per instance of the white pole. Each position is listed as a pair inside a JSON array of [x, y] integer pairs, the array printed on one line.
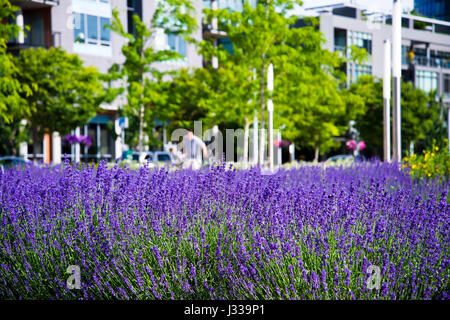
[[77, 146], [23, 146], [280, 162], [270, 129], [387, 101], [56, 147], [23, 150], [270, 78], [215, 60], [20, 23], [255, 138], [293, 152], [397, 73], [270, 114]]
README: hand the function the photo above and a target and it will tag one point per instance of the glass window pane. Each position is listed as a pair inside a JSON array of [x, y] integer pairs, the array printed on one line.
[[171, 39], [181, 46], [79, 33], [104, 140], [92, 26], [105, 31]]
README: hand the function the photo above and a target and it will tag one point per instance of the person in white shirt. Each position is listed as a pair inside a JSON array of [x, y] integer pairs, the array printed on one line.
[[193, 149]]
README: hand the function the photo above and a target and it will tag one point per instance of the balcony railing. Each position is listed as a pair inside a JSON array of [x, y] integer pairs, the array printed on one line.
[[210, 32], [46, 39], [429, 62]]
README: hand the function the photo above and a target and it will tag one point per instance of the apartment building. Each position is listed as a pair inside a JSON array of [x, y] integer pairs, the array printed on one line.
[[436, 9], [77, 26], [425, 44]]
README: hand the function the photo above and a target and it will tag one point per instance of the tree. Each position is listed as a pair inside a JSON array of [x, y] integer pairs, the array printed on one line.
[[12, 92], [437, 135], [65, 93], [232, 97], [417, 114], [144, 82], [306, 96], [257, 34], [370, 123], [190, 97]]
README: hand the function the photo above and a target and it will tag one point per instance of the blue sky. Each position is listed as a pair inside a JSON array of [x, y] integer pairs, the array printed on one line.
[[374, 5]]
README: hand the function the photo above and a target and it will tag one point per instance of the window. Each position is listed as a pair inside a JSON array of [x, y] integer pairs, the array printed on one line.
[[133, 7], [340, 39], [226, 44], [35, 35], [234, 5], [176, 43], [447, 85], [91, 30], [105, 32], [79, 35], [358, 70], [361, 40], [163, 157], [405, 59], [426, 80]]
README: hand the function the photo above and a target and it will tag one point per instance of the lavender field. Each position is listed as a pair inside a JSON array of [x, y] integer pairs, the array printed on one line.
[[305, 233]]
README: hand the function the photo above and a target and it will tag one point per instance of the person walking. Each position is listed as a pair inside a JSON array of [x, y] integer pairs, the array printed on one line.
[[193, 149]]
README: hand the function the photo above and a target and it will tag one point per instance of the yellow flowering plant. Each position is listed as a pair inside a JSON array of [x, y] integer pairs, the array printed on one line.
[[433, 163]]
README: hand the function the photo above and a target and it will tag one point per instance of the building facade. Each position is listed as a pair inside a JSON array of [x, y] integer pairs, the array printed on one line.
[[425, 45], [437, 9], [77, 26]]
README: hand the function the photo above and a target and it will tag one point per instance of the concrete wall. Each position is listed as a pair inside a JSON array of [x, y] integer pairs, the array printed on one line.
[[62, 19]]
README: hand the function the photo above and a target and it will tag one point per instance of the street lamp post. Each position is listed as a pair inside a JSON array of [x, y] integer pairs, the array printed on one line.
[[396, 72], [270, 114], [255, 138], [387, 101]]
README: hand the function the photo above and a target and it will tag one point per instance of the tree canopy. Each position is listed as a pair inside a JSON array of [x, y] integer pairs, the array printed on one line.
[[307, 98], [13, 104], [65, 93], [145, 84], [419, 112]]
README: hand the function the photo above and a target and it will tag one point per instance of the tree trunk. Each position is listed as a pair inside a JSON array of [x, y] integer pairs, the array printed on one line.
[[263, 107], [246, 136], [316, 153]]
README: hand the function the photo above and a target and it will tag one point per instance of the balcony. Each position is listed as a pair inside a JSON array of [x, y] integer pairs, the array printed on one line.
[[432, 62], [45, 39], [210, 32], [34, 4]]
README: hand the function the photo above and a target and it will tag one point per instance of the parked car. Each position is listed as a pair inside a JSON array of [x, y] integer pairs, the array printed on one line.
[[155, 157], [340, 158], [163, 156], [10, 161]]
